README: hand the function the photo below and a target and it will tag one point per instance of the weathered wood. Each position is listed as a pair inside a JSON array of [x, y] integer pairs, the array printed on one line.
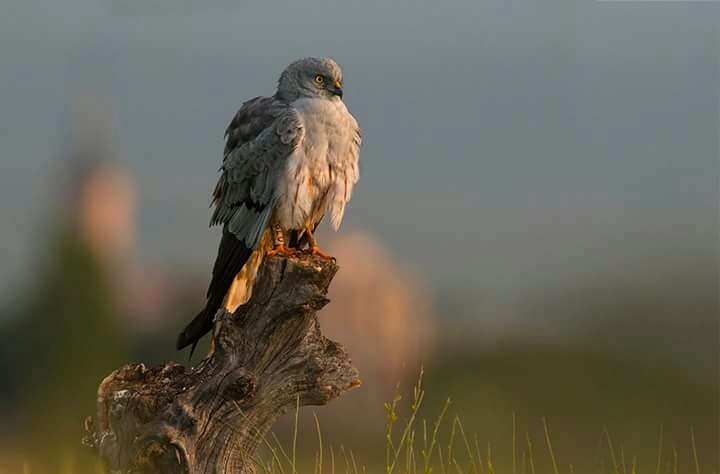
[[211, 418]]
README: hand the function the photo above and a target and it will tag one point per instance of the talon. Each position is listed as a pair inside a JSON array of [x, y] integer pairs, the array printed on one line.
[[315, 250], [281, 250]]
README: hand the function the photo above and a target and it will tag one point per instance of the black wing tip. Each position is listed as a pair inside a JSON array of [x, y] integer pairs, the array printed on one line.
[[232, 256], [195, 330], [182, 341]]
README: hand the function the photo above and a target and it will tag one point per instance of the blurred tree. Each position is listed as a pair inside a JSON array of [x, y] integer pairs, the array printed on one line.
[[66, 332], [69, 339]]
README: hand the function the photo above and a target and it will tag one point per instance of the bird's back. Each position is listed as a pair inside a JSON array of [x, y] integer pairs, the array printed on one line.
[[254, 116]]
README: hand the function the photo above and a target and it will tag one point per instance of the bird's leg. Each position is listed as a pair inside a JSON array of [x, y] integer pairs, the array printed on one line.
[[279, 243], [313, 248]]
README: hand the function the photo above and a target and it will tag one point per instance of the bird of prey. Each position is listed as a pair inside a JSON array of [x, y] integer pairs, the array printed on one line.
[[289, 160]]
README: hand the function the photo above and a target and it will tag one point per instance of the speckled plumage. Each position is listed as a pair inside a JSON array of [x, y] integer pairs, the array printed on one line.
[[289, 160]]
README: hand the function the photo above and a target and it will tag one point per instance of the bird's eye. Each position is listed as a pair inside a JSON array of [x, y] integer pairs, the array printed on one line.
[[319, 80]]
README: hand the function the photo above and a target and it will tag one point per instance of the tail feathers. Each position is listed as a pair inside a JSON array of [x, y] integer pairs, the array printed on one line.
[[231, 258], [234, 274], [198, 327]]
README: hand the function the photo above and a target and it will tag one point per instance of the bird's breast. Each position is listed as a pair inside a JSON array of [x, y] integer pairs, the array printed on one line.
[[322, 169]]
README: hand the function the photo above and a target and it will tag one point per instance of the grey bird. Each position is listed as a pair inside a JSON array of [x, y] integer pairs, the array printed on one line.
[[290, 159]]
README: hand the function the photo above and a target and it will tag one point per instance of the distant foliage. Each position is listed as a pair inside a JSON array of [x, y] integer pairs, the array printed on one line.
[[67, 339]]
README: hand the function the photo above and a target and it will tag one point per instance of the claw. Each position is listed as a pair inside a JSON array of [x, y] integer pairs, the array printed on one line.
[[315, 250], [281, 250]]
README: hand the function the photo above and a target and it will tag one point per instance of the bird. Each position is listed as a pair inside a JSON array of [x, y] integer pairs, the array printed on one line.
[[289, 160]]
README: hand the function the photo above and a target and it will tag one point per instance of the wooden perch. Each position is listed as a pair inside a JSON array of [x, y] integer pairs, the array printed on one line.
[[211, 418]]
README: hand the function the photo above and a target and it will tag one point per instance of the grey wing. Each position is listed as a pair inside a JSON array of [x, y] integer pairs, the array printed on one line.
[[254, 116], [244, 199], [245, 195]]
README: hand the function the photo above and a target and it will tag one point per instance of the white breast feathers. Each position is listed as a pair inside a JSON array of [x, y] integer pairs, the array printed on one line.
[[323, 169]]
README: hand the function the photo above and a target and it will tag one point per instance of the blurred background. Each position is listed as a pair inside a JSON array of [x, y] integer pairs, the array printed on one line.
[[536, 222]]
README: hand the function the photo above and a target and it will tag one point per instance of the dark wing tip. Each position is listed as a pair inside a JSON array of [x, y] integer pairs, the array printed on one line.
[[182, 341], [197, 328]]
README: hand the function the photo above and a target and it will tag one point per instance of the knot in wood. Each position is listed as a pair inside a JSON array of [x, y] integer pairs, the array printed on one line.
[[241, 385]]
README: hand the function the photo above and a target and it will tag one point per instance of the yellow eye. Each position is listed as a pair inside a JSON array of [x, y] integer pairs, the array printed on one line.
[[319, 80]]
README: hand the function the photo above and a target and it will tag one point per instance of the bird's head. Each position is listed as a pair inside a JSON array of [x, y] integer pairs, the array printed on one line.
[[312, 78]]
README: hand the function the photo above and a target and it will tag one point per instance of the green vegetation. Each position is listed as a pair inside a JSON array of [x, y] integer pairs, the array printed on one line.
[[66, 340], [444, 445]]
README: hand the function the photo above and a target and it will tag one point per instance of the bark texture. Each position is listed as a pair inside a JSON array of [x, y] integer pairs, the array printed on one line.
[[212, 417]]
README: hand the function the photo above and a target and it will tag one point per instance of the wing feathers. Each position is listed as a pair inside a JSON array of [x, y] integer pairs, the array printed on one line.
[[259, 139]]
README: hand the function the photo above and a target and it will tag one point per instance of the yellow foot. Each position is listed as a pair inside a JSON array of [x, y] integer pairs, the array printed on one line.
[[318, 253], [281, 250]]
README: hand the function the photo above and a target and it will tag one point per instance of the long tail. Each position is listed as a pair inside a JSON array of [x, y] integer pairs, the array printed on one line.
[[221, 293], [232, 256]]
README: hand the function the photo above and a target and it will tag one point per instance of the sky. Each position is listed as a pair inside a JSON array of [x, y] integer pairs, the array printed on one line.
[[508, 146]]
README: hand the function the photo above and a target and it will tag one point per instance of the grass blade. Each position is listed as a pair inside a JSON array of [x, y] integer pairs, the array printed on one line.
[[694, 449], [550, 448]]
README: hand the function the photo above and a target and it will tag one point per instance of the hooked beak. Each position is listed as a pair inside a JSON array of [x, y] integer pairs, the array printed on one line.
[[338, 89]]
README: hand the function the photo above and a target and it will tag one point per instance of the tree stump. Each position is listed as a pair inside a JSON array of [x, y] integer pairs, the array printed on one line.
[[211, 418]]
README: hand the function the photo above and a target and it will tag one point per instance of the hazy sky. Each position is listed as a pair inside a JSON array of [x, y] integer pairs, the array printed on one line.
[[508, 145]]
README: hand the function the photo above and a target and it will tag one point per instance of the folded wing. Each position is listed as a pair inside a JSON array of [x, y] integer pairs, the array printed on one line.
[[258, 142]]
